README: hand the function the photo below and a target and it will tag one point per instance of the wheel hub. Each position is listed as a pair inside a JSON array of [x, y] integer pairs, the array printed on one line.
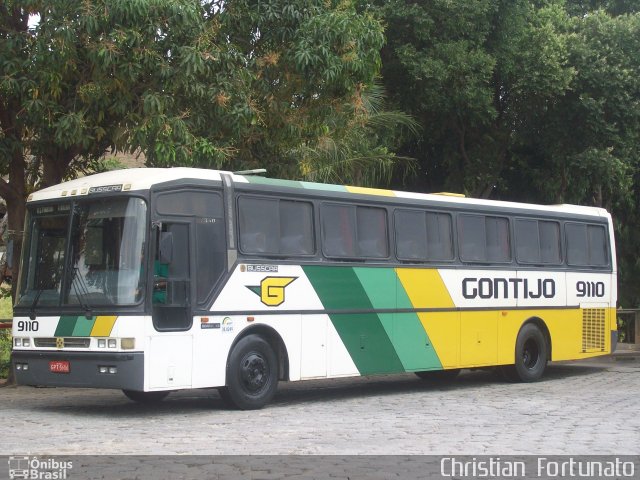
[[254, 372], [530, 354]]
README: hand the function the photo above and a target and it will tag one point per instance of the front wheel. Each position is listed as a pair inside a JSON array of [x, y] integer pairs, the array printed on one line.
[[532, 353], [145, 397], [252, 374]]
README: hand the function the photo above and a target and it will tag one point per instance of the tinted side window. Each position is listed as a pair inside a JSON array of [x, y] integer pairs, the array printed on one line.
[[211, 250], [439, 236], [191, 203], [372, 232], [483, 238], [339, 230], [411, 235], [597, 245], [472, 237], [423, 235], [537, 241], [259, 225], [275, 227], [586, 245], [354, 231], [550, 242]]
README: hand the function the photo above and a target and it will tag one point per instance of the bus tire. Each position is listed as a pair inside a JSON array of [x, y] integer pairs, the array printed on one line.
[[145, 397], [439, 375], [532, 353], [252, 374]]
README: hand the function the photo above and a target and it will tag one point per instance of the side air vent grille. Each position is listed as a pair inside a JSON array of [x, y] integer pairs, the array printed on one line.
[[593, 329]]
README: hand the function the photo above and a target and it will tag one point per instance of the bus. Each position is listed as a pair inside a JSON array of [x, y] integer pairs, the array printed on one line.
[[156, 280]]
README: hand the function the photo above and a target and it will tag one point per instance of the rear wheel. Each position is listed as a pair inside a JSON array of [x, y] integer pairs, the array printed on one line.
[[252, 374], [145, 397], [439, 375], [532, 353]]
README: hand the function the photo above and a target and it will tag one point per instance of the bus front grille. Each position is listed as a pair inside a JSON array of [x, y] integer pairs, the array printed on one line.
[[69, 342], [593, 329]]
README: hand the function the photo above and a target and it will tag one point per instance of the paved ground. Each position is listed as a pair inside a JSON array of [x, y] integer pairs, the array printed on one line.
[[591, 407]]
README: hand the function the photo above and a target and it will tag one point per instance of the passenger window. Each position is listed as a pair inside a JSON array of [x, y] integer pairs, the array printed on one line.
[[372, 232], [537, 241], [586, 245], [423, 236], [275, 227], [597, 245], [354, 231], [550, 242], [484, 239]]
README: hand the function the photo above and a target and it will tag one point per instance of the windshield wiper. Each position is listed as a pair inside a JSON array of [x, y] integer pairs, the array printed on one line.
[[32, 309], [81, 292]]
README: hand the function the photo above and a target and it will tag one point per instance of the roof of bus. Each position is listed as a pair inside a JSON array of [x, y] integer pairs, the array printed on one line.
[[144, 178]]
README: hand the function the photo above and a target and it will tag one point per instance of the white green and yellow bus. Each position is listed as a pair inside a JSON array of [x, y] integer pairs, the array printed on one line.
[[155, 280]]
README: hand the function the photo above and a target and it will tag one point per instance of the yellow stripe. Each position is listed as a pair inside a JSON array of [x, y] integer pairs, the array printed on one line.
[[103, 326], [426, 289], [371, 191]]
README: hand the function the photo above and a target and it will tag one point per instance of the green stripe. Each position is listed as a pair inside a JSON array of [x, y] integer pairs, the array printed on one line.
[[66, 326], [324, 186], [364, 335], [295, 184], [273, 181], [83, 327], [408, 336]]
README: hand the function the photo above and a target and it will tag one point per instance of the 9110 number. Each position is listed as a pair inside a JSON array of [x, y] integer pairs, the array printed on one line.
[[27, 326], [590, 289]]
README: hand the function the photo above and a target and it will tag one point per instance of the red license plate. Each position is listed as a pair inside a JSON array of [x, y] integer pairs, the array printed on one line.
[[59, 366]]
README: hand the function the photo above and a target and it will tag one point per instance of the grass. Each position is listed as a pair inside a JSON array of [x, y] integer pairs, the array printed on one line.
[[6, 312]]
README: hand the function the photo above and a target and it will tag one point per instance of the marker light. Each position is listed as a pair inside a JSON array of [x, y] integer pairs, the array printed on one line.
[[128, 343]]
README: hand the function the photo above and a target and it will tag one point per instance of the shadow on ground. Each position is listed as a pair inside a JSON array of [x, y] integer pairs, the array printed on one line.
[[88, 403]]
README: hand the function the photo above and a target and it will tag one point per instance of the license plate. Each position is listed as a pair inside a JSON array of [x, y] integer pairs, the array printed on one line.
[[59, 366]]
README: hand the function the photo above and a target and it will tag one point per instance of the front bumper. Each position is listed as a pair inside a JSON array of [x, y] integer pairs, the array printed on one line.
[[84, 369]]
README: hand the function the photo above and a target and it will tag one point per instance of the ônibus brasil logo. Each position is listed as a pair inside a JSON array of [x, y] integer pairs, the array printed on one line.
[[271, 290], [34, 468]]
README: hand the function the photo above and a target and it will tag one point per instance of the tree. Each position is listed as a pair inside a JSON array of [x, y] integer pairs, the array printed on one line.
[[526, 101], [235, 83], [472, 73]]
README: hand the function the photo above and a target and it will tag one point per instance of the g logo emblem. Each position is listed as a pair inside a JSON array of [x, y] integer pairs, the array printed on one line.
[[271, 290]]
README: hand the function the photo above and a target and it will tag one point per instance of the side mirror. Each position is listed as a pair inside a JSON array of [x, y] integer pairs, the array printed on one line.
[[165, 253]]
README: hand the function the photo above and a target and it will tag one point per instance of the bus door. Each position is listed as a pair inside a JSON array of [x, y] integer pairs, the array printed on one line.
[[189, 265], [171, 347]]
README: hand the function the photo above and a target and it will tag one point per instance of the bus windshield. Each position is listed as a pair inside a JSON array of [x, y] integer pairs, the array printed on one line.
[[84, 254]]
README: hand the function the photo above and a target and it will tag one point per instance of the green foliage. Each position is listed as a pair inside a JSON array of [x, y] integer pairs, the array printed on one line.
[[6, 312], [527, 101], [355, 152], [235, 84], [5, 352]]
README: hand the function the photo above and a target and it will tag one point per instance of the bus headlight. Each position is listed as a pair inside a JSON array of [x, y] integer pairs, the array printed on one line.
[[26, 342], [112, 343], [102, 343], [17, 342]]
